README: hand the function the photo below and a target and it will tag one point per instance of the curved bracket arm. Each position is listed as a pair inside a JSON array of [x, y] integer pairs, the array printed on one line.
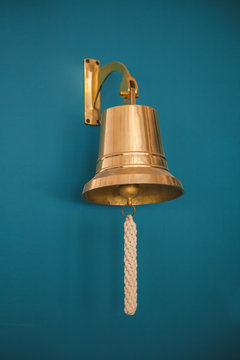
[[94, 79], [127, 82]]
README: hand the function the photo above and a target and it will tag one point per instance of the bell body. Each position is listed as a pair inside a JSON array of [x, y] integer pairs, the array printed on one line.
[[131, 153]]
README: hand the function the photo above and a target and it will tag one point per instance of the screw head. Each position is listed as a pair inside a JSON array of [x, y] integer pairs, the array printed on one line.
[[98, 121], [87, 60], [97, 62], [88, 121]]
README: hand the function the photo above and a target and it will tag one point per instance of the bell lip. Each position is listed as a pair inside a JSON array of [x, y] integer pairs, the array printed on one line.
[[127, 105], [160, 180]]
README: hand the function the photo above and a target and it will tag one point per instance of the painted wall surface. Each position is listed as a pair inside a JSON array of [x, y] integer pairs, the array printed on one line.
[[61, 259]]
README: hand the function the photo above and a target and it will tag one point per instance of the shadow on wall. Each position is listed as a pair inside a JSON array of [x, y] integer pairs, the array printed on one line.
[[77, 159], [92, 261], [100, 266]]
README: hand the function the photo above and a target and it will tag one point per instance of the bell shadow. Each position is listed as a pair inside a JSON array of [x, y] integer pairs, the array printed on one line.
[[100, 270], [75, 165], [116, 261], [78, 148], [76, 161]]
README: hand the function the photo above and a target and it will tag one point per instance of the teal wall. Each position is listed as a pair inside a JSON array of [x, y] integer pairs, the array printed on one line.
[[61, 259]]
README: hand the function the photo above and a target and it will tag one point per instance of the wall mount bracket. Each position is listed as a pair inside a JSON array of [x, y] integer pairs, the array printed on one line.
[[94, 78]]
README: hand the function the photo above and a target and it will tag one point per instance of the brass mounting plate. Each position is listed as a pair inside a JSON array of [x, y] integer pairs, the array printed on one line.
[[92, 113]]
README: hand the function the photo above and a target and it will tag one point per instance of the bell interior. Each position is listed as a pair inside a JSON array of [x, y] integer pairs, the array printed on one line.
[[148, 194]]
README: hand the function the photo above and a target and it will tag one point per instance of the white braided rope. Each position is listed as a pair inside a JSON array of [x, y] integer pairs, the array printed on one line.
[[130, 266]]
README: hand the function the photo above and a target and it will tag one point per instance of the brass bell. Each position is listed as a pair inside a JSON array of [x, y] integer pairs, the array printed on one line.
[[131, 165]]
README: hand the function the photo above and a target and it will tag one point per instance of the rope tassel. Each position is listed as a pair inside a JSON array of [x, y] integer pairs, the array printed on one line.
[[130, 266]]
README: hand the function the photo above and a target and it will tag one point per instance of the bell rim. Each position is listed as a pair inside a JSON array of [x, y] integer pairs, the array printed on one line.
[[159, 180]]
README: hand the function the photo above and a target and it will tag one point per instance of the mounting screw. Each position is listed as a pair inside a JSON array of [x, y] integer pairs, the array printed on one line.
[[87, 60], [97, 62], [98, 121], [88, 121]]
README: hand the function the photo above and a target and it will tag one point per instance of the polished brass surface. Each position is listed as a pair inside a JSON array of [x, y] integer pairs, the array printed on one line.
[[129, 191], [92, 105], [94, 78], [131, 153], [127, 82]]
